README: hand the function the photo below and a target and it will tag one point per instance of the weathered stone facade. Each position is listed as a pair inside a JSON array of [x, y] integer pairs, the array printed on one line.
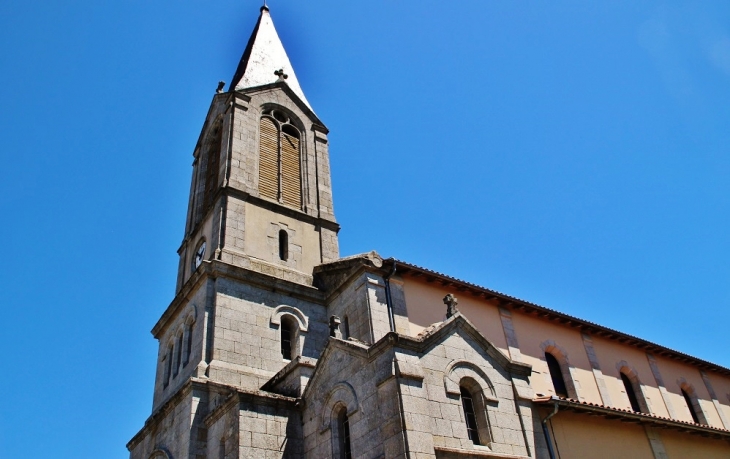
[[275, 347]]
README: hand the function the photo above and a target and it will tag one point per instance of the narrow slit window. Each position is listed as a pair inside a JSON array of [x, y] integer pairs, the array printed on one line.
[[690, 405], [631, 393], [470, 416], [213, 152], [189, 348], [556, 374], [344, 433], [168, 366], [345, 328], [283, 245], [178, 356], [286, 339]]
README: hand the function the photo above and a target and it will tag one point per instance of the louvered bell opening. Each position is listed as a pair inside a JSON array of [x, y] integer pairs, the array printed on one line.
[[268, 164], [291, 181], [213, 162]]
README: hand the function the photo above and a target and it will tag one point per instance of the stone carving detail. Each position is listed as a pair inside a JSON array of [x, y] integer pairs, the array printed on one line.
[[334, 326], [450, 301]]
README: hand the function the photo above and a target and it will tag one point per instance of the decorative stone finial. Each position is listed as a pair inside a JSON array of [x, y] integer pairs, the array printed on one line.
[[220, 87], [334, 326], [450, 301], [282, 76]]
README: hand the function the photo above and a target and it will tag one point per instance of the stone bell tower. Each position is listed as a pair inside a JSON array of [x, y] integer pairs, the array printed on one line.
[[261, 196], [260, 218]]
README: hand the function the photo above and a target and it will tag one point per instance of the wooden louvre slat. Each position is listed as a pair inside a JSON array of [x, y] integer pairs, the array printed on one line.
[[291, 188], [268, 161]]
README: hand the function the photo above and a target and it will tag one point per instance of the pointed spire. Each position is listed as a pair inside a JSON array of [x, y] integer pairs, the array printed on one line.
[[265, 60]]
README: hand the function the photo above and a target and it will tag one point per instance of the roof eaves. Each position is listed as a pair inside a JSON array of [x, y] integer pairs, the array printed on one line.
[[566, 319], [612, 412]]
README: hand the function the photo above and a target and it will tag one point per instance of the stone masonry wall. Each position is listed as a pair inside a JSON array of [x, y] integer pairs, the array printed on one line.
[[269, 430], [192, 312], [426, 386], [223, 435], [435, 417], [352, 303], [245, 143], [246, 348], [172, 432], [351, 380]]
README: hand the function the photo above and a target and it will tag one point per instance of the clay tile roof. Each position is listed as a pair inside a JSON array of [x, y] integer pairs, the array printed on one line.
[[612, 412], [584, 325]]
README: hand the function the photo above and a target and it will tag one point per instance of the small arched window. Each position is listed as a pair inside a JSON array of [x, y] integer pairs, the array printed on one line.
[[189, 343], [467, 403], [692, 410], [283, 245], [280, 172], [475, 409], [288, 338], [178, 355], [631, 392], [556, 374], [168, 366], [343, 434]]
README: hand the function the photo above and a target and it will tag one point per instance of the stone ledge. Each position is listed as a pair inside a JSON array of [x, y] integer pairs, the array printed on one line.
[[443, 452], [215, 268]]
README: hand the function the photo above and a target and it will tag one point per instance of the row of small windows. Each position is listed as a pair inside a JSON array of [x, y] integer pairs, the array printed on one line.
[[476, 419], [279, 159], [631, 386], [206, 174], [178, 354]]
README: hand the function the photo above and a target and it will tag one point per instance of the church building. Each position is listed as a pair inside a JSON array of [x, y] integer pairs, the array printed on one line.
[[274, 346]]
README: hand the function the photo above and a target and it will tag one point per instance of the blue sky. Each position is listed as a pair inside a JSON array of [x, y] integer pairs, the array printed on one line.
[[571, 154]]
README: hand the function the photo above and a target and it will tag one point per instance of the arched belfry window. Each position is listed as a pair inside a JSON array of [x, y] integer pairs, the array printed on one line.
[[212, 166], [556, 374], [280, 171]]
